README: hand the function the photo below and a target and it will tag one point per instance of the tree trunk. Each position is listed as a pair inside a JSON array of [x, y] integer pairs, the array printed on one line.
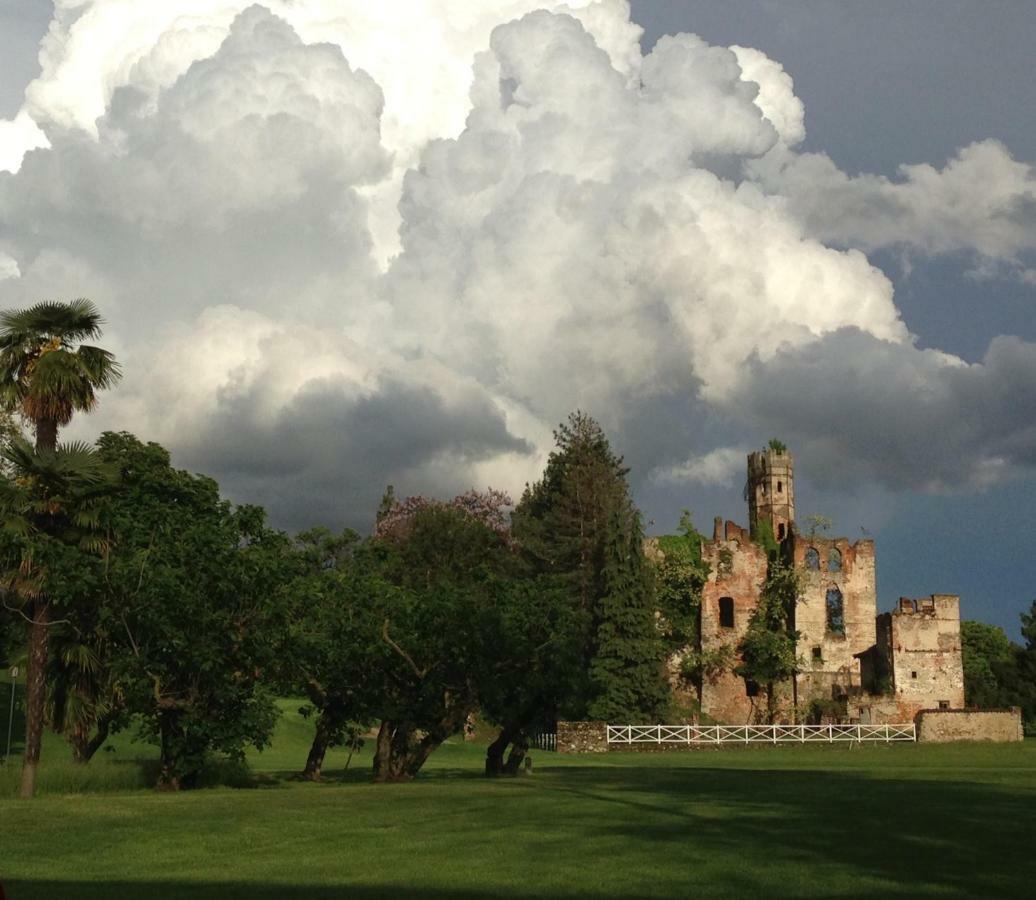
[[46, 435], [398, 758], [417, 757], [318, 750], [516, 757], [79, 739], [392, 752], [35, 694], [169, 775], [383, 752], [39, 636], [515, 736], [83, 746], [495, 752]]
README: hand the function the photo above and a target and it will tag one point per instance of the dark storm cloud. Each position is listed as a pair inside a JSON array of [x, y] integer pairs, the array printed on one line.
[[862, 410], [328, 455]]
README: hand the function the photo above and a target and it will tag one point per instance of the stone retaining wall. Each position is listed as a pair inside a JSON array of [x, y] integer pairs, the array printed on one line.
[[582, 737], [943, 725]]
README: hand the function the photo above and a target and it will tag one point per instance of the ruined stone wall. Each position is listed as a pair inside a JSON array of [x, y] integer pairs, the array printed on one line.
[[827, 653], [938, 725], [925, 653], [881, 709], [738, 571], [582, 737]]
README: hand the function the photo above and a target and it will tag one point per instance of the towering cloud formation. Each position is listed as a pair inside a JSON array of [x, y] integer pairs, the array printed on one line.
[[342, 244]]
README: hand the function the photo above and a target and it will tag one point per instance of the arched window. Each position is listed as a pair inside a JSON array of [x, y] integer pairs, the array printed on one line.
[[835, 612], [813, 559], [726, 612], [834, 560], [780, 532]]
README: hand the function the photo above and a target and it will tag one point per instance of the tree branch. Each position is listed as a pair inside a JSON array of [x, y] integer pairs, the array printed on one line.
[[420, 673], [129, 634], [17, 610]]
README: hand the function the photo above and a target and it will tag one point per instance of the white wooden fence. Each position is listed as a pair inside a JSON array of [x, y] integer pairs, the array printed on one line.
[[757, 734], [544, 740]]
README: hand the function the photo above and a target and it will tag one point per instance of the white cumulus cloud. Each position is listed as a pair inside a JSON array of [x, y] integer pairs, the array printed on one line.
[[579, 225], [982, 201], [722, 466]]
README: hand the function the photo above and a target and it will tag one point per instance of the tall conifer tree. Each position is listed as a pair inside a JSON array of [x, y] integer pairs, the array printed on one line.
[[625, 672], [579, 523]]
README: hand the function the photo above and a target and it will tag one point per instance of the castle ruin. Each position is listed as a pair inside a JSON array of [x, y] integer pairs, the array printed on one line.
[[874, 668]]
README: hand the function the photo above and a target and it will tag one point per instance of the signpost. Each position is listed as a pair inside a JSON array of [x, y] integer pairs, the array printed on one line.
[[10, 714]]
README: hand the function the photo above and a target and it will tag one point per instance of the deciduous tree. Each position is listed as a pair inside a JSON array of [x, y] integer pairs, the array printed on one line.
[[446, 566], [195, 591], [334, 646], [532, 649], [990, 664]]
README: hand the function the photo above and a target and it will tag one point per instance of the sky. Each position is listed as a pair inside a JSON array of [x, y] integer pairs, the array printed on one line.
[[340, 245]]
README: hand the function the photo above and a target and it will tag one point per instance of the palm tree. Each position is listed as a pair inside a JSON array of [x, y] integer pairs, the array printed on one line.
[[84, 699], [47, 378], [42, 373], [50, 504]]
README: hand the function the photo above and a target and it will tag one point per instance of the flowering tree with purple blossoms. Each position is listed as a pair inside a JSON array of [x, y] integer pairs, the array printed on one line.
[[490, 508]]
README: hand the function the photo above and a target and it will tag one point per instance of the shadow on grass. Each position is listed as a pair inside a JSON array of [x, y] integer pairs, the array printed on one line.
[[961, 837], [360, 775], [167, 890]]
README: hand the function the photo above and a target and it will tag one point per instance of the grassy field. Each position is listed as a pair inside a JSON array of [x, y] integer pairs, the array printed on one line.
[[908, 821]]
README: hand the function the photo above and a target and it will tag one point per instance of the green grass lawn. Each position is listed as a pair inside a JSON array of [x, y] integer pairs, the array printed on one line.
[[790, 821]]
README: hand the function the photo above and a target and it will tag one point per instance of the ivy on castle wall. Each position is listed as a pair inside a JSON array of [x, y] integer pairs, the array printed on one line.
[[679, 578]]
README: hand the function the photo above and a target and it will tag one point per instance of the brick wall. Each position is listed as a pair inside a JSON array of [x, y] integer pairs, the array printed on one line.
[[737, 570]]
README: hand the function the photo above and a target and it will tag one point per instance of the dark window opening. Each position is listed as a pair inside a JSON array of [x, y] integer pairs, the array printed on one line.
[[813, 559], [913, 674], [751, 688], [835, 611], [818, 654], [780, 488], [780, 532], [944, 704], [726, 612], [834, 561]]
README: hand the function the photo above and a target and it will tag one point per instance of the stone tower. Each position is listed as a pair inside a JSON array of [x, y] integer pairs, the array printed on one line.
[[770, 492]]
